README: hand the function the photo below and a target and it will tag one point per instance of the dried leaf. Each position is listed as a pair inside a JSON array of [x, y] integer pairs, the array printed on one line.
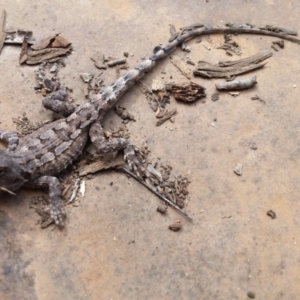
[[45, 43]]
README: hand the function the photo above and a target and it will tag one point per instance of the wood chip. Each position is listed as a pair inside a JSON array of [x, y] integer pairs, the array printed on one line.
[[100, 165], [115, 62], [238, 169], [54, 41], [2, 28], [82, 188], [17, 37], [48, 54], [157, 85], [237, 84], [166, 117], [23, 55], [75, 190], [232, 68], [215, 96], [187, 92], [176, 226], [181, 66], [60, 42], [44, 43]]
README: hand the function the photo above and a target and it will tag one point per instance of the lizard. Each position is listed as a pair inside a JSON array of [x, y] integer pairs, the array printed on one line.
[[36, 159]]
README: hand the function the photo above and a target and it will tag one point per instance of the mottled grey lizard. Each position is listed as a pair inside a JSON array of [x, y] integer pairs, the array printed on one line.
[[36, 159]]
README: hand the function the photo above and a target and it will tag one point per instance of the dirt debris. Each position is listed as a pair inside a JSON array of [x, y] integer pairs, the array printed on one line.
[[51, 49], [181, 66], [241, 84], [176, 226], [230, 46], [238, 169], [186, 92], [162, 208], [2, 28], [215, 97], [25, 126], [271, 214], [229, 69]]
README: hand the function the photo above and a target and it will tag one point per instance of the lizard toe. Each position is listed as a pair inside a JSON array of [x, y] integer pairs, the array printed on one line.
[[58, 215]]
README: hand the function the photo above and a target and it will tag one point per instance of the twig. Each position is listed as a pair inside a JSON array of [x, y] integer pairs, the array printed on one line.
[[234, 30], [150, 91], [155, 192], [2, 28], [74, 194], [166, 117]]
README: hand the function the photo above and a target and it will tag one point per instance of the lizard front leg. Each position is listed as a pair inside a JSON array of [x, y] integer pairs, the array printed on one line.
[[11, 138], [105, 146], [57, 212], [56, 100]]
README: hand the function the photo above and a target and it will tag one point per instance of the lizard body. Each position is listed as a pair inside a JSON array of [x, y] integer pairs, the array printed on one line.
[[37, 158]]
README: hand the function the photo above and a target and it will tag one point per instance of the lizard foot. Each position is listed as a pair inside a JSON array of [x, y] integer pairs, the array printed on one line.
[[57, 213], [130, 156]]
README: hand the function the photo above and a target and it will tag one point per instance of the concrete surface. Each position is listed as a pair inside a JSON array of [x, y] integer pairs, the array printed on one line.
[[232, 247]]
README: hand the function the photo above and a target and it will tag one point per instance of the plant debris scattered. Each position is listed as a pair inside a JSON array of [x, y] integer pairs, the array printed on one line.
[[181, 66], [187, 92], [2, 28], [25, 126], [162, 208], [215, 96], [51, 49], [238, 169], [241, 84], [258, 98], [271, 214], [176, 226], [230, 46], [167, 115], [278, 44], [279, 30], [231, 68]]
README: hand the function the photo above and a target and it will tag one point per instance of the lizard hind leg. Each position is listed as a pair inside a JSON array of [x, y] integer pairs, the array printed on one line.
[[56, 100], [57, 212], [105, 146]]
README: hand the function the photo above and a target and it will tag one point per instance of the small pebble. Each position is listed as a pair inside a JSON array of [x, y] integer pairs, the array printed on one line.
[[176, 226], [53, 68], [271, 214], [162, 209], [251, 295], [238, 169]]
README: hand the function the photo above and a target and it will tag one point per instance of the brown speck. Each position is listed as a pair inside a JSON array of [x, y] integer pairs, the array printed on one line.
[[271, 214], [176, 226], [162, 209]]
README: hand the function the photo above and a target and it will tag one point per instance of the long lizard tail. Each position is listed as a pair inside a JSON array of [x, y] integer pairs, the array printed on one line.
[[109, 97]]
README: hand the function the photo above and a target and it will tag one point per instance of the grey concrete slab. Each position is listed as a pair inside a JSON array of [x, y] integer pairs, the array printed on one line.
[[232, 247]]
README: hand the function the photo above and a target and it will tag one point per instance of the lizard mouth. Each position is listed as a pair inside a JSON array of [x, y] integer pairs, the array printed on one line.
[[6, 190]]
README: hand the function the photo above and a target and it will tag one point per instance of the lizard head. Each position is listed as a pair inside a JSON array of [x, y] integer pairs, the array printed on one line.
[[10, 173]]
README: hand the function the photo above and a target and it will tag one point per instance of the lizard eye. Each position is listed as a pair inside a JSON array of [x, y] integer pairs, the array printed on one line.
[[2, 171]]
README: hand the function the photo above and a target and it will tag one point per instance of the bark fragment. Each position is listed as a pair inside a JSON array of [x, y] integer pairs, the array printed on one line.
[[237, 84], [187, 92], [232, 68]]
